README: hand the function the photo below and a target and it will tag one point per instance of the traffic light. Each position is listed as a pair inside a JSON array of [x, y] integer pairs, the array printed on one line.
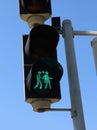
[[42, 71], [35, 11]]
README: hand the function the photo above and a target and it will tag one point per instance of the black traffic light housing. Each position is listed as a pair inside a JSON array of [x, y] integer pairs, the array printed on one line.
[[56, 23], [42, 71], [35, 11]]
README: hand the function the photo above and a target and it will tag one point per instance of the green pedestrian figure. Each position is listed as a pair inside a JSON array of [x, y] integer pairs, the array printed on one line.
[[47, 81], [39, 83]]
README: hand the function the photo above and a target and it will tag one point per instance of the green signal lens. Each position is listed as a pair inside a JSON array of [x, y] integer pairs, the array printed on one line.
[[45, 75], [43, 82]]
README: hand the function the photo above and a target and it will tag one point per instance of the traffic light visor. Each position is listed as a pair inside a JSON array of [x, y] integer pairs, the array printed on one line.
[[43, 39], [44, 36]]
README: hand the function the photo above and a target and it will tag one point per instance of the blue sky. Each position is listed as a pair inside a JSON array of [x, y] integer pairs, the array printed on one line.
[[15, 113]]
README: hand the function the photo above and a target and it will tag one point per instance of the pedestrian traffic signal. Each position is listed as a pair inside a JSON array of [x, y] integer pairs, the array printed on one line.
[[35, 11], [42, 71], [44, 77]]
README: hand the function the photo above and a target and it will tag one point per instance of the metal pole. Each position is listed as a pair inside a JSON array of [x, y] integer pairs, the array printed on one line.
[[76, 103]]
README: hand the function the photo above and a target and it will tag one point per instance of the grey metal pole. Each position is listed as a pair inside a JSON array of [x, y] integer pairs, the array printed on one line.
[[76, 103]]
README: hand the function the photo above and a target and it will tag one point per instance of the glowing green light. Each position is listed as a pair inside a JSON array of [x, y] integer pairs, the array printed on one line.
[[43, 80]]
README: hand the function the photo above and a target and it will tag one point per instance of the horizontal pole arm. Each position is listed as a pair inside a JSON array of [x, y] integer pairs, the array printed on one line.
[[54, 109], [85, 33]]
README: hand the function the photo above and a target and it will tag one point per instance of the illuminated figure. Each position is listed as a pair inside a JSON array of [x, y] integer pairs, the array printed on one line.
[[43, 80], [39, 83], [47, 81]]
